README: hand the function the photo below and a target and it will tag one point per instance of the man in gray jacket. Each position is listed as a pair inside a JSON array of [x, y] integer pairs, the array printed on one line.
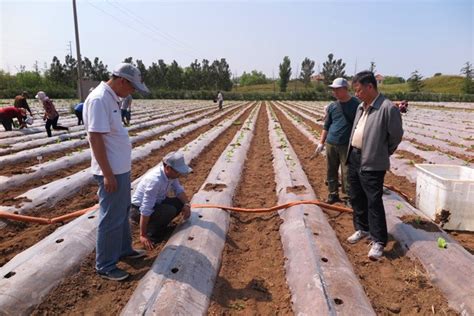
[[376, 133]]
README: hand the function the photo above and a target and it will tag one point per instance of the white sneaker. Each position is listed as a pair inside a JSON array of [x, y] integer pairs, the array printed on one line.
[[357, 236], [376, 251]]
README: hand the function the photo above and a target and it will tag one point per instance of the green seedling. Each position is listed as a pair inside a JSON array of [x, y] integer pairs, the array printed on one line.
[[442, 243], [399, 206], [418, 220]]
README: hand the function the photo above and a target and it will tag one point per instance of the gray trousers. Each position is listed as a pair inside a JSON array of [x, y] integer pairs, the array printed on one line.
[[336, 156], [164, 213]]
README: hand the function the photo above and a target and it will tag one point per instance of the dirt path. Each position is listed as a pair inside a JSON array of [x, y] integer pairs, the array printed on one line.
[[394, 284], [87, 293], [18, 236], [252, 276]]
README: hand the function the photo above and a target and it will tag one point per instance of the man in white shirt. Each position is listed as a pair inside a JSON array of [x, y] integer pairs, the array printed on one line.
[[150, 204], [111, 164]]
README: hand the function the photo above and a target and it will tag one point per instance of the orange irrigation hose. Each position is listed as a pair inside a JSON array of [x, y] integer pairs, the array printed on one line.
[[276, 208], [72, 215], [45, 221], [24, 218]]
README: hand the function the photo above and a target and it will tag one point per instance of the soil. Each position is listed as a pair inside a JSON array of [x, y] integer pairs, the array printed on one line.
[[17, 237], [85, 292], [411, 157], [252, 276], [395, 284], [426, 147]]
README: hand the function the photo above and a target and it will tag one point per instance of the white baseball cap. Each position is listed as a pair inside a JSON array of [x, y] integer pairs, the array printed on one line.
[[132, 74], [175, 160], [339, 83]]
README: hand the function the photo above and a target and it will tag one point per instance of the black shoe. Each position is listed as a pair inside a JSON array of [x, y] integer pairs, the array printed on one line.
[[139, 253], [114, 275], [333, 198]]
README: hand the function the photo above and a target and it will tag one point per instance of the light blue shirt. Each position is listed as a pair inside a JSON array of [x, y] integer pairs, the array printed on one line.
[[153, 189]]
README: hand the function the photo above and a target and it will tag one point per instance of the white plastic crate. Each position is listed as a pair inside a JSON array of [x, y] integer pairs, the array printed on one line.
[[445, 193]]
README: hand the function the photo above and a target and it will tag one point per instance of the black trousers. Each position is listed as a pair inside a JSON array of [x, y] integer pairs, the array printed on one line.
[[79, 117], [164, 213], [54, 124], [366, 199], [7, 124]]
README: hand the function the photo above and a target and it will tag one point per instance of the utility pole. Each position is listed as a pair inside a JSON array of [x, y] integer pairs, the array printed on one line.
[[78, 51]]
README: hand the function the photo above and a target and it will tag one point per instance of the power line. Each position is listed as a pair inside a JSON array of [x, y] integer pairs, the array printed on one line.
[[129, 26], [154, 28]]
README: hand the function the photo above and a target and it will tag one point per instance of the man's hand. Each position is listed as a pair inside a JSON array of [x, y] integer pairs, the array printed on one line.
[[317, 151], [186, 211], [110, 183], [146, 242]]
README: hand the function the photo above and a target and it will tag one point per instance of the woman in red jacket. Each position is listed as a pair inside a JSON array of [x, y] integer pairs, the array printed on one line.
[[7, 114]]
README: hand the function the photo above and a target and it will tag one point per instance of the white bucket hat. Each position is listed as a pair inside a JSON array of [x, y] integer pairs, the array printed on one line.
[[41, 95]]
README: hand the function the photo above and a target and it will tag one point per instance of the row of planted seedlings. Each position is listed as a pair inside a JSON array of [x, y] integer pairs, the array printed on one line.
[[43, 200], [142, 122], [70, 159], [68, 246], [319, 274], [455, 144], [438, 271], [140, 108], [401, 167], [252, 278], [183, 275], [85, 281]]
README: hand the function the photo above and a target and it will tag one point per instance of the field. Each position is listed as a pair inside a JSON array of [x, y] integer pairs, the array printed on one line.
[[251, 155]]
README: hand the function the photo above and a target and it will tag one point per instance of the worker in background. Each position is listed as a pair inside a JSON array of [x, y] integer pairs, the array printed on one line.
[[21, 102]]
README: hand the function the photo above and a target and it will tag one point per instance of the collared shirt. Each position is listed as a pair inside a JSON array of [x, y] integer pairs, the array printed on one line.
[[358, 137], [153, 189], [101, 114]]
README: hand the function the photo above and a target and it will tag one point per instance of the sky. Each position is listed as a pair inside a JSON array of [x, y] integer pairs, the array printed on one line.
[[399, 36]]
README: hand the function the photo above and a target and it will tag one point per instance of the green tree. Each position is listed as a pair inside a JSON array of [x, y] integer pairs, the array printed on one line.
[[333, 69], [253, 78], [285, 73], [307, 70], [393, 80], [414, 82], [56, 72], [143, 70], [468, 85], [129, 60], [193, 76], [174, 76]]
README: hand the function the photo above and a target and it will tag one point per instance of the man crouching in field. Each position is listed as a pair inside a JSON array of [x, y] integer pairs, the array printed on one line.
[[150, 204], [111, 164]]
